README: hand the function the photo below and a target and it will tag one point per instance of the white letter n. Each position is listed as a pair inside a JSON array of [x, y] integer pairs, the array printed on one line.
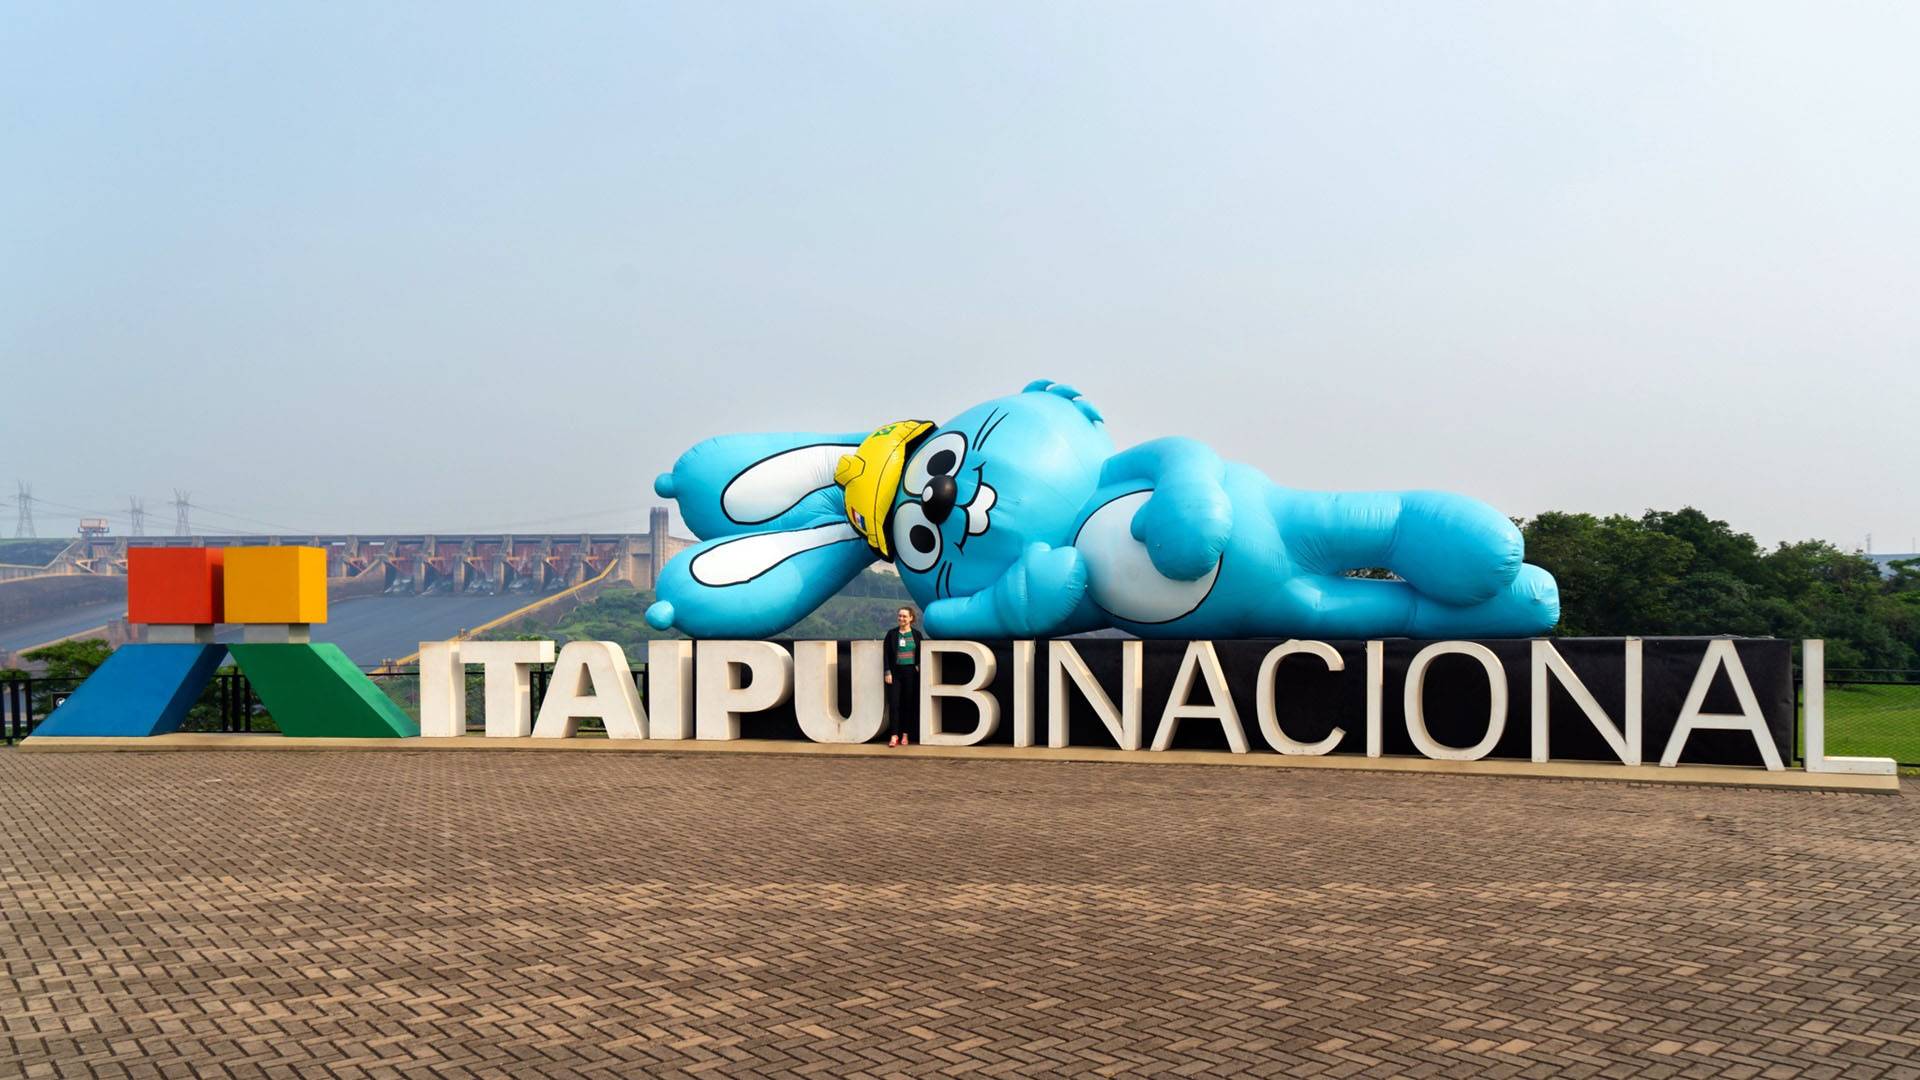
[[1626, 744]]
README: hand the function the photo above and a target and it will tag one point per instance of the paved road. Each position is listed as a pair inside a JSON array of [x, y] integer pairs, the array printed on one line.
[[22, 635], [487, 913], [372, 629]]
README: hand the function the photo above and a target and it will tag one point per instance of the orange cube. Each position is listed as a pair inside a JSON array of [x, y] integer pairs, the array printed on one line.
[[174, 585], [276, 585]]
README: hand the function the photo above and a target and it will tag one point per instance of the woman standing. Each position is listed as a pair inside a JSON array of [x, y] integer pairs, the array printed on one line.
[[901, 654]]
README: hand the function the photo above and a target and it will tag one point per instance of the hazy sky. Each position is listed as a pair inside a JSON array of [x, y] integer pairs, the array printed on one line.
[[384, 266]]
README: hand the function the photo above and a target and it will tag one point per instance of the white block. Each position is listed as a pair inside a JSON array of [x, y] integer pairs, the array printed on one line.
[[591, 679], [443, 691], [1269, 715], [934, 693], [1066, 669], [1023, 654], [1414, 702], [1813, 674], [1721, 653], [179, 634], [816, 692], [670, 689], [1201, 659], [738, 677], [1376, 694], [506, 669], [1624, 739]]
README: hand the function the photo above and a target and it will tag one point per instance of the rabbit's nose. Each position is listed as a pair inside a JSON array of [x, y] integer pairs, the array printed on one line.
[[938, 501]]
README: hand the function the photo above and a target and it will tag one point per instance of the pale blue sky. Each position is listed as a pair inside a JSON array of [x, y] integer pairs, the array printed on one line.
[[386, 266]]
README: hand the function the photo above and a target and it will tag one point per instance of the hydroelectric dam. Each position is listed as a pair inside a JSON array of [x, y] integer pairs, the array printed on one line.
[[387, 592]]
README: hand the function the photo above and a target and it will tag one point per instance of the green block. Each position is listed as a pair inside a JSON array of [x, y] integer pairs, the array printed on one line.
[[315, 692]]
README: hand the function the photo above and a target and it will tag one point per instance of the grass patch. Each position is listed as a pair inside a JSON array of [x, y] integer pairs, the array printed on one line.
[[29, 551], [1865, 720]]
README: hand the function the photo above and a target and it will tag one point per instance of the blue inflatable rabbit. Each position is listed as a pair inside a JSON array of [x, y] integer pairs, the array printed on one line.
[[1018, 519]]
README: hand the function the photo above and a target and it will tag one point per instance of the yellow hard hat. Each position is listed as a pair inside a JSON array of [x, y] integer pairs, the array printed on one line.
[[870, 475]]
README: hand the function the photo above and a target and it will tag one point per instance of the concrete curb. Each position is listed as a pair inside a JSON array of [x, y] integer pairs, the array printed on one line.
[[1699, 775]]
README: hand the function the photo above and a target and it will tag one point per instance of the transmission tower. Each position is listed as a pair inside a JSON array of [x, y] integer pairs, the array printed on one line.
[[181, 504], [23, 526], [137, 510]]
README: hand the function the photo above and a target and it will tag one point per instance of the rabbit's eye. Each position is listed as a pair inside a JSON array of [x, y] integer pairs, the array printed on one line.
[[941, 456], [916, 541]]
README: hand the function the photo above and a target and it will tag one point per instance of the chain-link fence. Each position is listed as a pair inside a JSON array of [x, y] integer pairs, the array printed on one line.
[[1874, 712]]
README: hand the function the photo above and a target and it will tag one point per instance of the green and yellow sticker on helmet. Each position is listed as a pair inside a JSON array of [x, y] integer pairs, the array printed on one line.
[[871, 474]]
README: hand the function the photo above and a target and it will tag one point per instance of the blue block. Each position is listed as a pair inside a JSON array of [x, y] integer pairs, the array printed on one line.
[[141, 690]]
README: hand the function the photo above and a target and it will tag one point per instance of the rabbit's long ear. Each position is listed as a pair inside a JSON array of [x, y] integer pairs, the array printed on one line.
[[757, 585], [733, 484]]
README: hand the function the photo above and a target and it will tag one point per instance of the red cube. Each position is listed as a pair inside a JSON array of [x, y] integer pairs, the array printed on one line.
[[174, 585]]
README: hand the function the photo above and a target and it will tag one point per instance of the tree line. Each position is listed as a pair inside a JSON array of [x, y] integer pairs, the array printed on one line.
[[1682, 572]]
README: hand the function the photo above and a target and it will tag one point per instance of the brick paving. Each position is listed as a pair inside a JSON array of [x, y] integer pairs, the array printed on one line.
[[451, 914]]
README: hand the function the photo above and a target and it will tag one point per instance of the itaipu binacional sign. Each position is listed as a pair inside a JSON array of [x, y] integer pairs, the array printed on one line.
[[1717, 701], [1720, 701], [1016, 525]]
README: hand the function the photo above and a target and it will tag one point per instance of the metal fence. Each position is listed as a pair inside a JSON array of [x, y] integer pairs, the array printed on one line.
[[26, 702], [1874, 712], [229, 704]]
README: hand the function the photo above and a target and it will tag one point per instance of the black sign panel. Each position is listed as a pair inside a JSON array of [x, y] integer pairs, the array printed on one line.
[[1310, 700]]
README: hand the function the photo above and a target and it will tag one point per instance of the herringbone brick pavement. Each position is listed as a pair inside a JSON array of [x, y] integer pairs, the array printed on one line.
[[402, 914]]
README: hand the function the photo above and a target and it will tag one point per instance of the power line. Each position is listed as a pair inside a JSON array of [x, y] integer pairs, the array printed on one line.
[[81, 510], [135, 514], [23, 524], [563, 518], [138, 505], [274, 525]]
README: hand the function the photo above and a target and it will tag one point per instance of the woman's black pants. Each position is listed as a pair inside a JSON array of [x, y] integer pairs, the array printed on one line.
[[903, 702]]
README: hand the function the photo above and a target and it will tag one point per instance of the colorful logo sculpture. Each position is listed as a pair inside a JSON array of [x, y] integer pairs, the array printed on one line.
[[1018, 518], [310, 689]]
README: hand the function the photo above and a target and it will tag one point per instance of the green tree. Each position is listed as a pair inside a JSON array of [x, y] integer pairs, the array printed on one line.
[[1828, 593], [1616, 575], [71, 659], [1905, 577], [1684, 572], [1716, 547]]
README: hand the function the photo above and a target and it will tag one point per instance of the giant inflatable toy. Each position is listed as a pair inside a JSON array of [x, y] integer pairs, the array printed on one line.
[[1018, 518]]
